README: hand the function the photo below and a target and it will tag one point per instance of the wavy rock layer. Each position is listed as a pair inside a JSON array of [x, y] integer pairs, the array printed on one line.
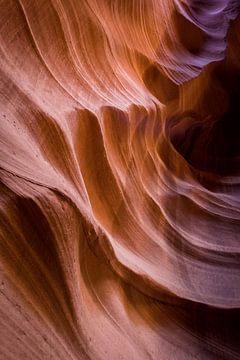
[[120, 154]]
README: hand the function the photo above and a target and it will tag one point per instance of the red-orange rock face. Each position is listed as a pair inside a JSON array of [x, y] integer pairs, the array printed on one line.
[[120, 179]]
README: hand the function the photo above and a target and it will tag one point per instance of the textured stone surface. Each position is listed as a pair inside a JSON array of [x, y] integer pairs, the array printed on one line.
[[120, 178]]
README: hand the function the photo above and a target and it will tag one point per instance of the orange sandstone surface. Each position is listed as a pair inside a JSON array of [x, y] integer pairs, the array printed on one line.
[[120, 179]]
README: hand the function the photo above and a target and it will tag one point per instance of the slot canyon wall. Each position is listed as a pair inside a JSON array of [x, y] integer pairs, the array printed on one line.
[[120, 179]]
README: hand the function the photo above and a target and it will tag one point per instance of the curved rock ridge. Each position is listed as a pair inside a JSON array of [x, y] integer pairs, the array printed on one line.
[[120, 179]]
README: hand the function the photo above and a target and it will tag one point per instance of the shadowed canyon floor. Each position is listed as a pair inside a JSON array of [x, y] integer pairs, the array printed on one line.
[[120, 179]]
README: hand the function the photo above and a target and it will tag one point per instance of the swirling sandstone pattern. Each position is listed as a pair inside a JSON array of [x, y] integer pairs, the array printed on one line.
[[120, 179]]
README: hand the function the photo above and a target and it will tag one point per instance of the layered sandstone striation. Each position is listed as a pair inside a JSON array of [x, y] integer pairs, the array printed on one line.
[[120, 179]]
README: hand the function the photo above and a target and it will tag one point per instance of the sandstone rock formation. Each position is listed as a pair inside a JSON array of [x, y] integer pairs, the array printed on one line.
[[120, 179]]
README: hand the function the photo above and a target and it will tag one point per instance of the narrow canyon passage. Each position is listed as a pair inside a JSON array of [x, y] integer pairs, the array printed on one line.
[[120, 179]]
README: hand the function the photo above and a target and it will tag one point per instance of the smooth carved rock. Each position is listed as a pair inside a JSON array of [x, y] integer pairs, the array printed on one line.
[[119, 168]]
